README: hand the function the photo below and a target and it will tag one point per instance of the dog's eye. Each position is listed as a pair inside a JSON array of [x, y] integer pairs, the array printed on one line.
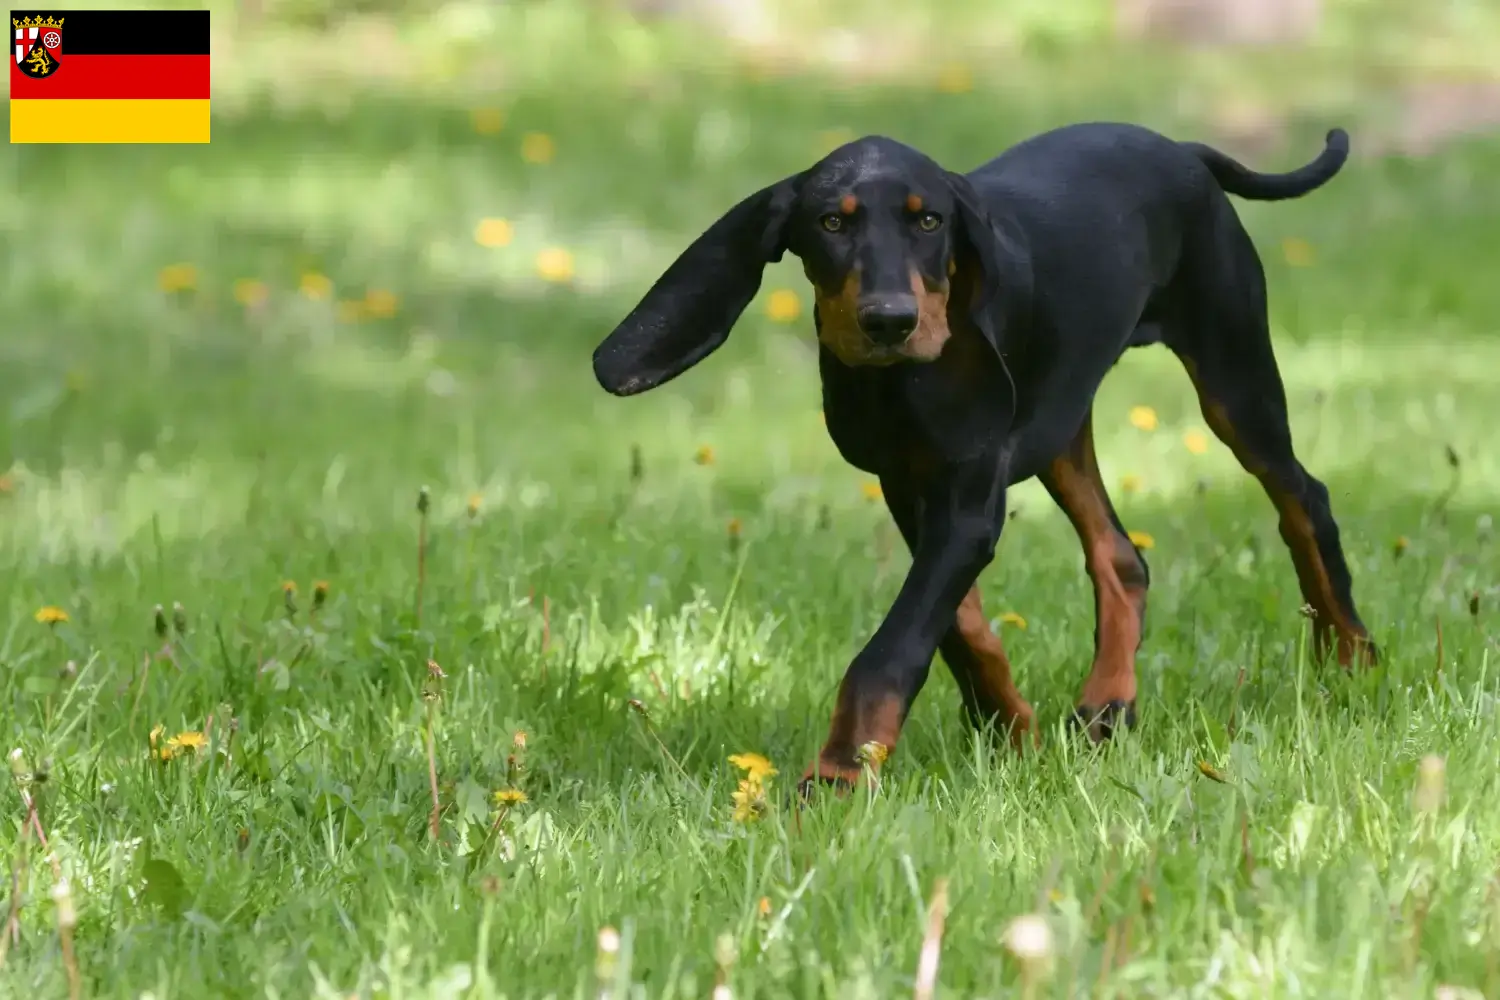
[[929, 222], [831, 222]]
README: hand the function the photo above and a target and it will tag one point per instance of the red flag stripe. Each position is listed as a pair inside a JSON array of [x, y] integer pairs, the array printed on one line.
[[119, 77]]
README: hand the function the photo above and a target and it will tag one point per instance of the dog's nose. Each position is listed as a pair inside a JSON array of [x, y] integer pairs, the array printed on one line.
[[888, 319]]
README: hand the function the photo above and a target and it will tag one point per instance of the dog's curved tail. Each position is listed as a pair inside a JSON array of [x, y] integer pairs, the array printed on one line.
[[1238, 179]]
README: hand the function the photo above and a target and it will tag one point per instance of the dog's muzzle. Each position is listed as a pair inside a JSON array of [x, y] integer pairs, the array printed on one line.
[[887, 319]]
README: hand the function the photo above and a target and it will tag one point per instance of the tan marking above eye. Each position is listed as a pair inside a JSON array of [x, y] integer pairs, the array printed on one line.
[[914, 203], [848, 204]]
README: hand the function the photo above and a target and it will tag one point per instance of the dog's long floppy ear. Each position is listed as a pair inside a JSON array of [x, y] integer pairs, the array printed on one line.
[[1001, 263], [690, 310]]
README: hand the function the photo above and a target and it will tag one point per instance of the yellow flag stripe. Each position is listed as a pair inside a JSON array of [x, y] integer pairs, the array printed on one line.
[[109, 121]]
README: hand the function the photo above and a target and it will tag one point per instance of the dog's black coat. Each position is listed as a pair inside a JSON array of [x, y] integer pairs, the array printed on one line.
[[1065, 250]]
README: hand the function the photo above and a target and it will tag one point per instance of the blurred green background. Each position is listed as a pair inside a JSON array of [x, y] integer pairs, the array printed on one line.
[[448, 158]]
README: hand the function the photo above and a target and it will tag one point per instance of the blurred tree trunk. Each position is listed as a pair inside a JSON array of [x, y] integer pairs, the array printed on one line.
[[1218, 22]]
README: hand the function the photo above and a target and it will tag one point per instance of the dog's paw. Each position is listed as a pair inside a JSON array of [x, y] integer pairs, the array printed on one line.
[[1354, 651], [841, 773], [1103, 722], [840, 781]]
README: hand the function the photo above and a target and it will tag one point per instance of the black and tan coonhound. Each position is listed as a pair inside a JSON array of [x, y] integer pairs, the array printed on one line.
[[965, 322]]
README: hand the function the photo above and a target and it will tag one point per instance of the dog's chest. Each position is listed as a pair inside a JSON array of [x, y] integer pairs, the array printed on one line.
[[910, 419]]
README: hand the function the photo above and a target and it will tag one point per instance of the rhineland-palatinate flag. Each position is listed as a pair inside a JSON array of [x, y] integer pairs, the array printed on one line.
[[109, 76]]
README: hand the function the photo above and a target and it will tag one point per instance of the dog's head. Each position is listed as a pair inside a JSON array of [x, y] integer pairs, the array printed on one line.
[[885, 235]]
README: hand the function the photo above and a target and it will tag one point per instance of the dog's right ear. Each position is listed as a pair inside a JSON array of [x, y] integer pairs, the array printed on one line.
[[690, 310]]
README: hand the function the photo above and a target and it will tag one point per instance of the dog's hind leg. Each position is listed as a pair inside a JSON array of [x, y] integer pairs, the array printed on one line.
[[1224, 342], [1120, 578], [979, 665]]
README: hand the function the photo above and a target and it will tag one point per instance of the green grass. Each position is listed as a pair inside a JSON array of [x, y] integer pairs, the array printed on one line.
[[178, 447]]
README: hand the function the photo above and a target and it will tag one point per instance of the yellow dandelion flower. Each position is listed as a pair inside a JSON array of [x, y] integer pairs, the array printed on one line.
[[1143, 417], [754, 765], [487, 121], [316, 286], [189, 741], [1011, 618], [763, 907], [1400, 546], [475, 500], [320, 593], [51, 615], [1195, 442], [351, 311], [955, 78], [288, 586], [1211, 773], [381, 303], [1130, 483], [873, 753], [153, 739], [749, 801], [555, 264], [784, 305], [734, 527], [871, 491], [510, 797], [704, 455], [493, 233], [177, 278], [250, 293], [1142, 540], [519, 739], [1298, 252], [538, 147]]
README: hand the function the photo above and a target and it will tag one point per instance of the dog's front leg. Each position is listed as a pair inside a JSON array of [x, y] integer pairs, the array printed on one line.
[[959, 516]]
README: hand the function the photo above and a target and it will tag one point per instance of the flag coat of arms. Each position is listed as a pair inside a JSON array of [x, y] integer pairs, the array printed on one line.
[[39, 46], [109, 76]]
